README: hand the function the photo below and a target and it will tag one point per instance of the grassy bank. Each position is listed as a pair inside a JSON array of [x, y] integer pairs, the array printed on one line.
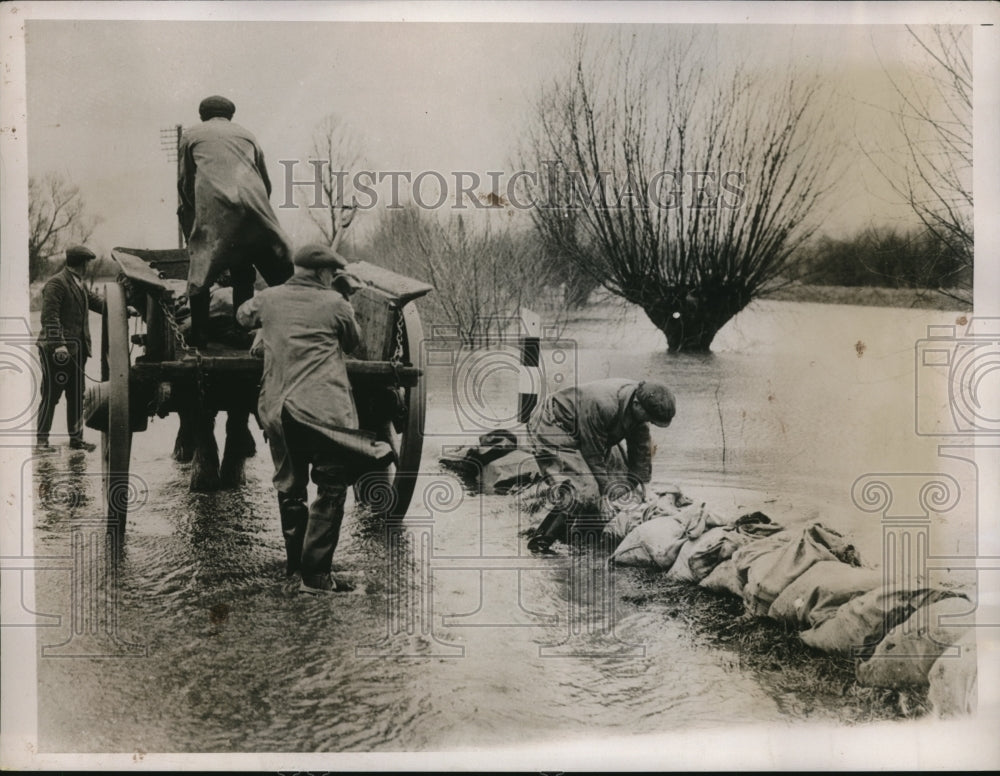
[[805, 683], [871, 296]]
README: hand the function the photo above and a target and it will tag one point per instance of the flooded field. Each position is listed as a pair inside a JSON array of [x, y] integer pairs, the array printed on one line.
[[456, 637]]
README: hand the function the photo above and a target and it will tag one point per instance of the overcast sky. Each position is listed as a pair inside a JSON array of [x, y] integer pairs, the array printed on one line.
[[422, 96]]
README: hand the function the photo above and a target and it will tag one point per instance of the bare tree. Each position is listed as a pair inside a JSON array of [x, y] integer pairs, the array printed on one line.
[[681, 188], [335, 143], [56, 217], [482, 269], [933, 174]]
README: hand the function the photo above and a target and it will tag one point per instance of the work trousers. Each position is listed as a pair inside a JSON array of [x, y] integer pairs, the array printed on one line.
[[59, 378], [311, 534]]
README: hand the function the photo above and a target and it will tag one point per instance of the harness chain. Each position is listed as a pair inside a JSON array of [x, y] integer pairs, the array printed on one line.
[[200, 377]]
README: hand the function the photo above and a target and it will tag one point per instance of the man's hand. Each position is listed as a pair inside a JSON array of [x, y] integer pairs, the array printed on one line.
[[607, 510], [61, 354], [257, 348]]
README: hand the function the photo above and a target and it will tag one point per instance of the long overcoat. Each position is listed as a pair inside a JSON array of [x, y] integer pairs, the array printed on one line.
[[306, 329], [225, 211], [65, 322], [574, 432]]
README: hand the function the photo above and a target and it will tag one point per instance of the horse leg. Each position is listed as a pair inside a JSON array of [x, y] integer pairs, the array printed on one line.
[[205, 463], [239, 446], [184, 443]]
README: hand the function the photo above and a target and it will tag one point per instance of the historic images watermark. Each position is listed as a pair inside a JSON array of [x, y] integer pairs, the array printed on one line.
[[537, 360], [552, 186], [955, 369]]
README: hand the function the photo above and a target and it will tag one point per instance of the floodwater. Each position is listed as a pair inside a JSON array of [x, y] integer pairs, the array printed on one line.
[[456, 637]]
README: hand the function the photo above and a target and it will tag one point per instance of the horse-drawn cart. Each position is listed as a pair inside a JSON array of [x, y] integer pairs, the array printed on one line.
[[153, 371]]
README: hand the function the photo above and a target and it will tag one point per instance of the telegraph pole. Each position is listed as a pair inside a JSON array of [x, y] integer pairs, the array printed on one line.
[[170, 141]]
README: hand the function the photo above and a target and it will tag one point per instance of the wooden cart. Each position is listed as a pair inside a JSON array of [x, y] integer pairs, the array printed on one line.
[[154, 372]]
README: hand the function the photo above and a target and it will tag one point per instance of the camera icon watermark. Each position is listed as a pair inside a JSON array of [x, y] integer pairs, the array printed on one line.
[[36, 373], [22, 373], [421, 621], [80, 615], [958, 379], [499, 385]]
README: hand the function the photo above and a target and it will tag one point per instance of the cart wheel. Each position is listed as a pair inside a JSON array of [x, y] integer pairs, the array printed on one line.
[[405, 435], [116, 442]]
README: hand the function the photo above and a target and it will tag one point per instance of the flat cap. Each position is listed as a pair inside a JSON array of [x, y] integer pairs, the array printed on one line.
[[657, 402], [79, 253], [318, 256], [214, 106]]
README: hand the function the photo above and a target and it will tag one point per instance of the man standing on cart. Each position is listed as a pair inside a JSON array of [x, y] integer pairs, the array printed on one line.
[[307, 409], [225, 212]]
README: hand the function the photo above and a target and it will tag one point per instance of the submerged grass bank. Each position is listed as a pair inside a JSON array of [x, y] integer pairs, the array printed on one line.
[[806, 683]]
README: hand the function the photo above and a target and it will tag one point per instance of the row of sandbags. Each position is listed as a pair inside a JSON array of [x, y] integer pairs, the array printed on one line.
[[814, 581], [495, 466]]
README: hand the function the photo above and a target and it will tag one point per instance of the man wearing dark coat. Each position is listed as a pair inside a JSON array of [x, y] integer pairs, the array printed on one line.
[[575, 434], [306, 407], [64, 345], [225, 212]]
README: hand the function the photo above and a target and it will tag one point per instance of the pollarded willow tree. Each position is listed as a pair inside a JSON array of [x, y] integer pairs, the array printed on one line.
[[679, 184]]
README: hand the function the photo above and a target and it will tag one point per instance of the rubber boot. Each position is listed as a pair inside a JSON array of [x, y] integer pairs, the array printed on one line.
[[551, 529], [294, 519], [321, 535]]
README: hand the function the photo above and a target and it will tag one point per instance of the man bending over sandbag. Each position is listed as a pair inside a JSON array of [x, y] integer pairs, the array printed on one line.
[[574, 433]]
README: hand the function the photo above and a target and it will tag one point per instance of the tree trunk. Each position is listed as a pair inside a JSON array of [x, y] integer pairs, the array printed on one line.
[[578, 289], [690, 319]]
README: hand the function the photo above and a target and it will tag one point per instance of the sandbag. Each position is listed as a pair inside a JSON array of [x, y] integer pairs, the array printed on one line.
[[952, 679], [749, 553], [862, 622], [681, 571], [724, 579], [626, 520], [756, 525], [905, 656], [493, 445], [713, 547], [668, 499], [657, 541], [817, 594], [460, 460], [772, 572], [517, 467], [664, 500]]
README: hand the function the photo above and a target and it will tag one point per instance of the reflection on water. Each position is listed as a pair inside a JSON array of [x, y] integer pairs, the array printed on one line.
[[454, 638]]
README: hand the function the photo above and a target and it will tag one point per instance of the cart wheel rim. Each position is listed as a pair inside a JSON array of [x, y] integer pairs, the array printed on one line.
[[116, 442], [411, 437]]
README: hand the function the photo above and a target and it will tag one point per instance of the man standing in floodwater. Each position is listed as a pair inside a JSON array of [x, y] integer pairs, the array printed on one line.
[[64, 345], [575, 433], [225, 211], [307, 408]]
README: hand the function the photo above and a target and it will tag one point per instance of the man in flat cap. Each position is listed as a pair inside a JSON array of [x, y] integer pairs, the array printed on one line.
[[575, 433], [225, 211], [307, 408], [64, 344]]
